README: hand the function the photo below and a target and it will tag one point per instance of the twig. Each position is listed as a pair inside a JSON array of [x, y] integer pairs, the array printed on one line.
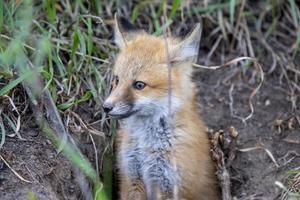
[[3, 131], [231, 103], [213, 49], [16, 173], [86, 127], [84, 55], [288, 157], [169, 65], [18, 124], [94, 17], [96, 154], [235, 30], [292, 141]]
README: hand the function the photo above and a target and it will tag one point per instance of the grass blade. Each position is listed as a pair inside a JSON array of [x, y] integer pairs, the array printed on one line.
[[135, 13], [175, 5], [1, 15], [3, 133], [50, 9], [232, 10], [294, 12], [17, 81]]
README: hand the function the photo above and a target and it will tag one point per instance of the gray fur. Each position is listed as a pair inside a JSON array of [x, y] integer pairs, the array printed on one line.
[[147, 157]]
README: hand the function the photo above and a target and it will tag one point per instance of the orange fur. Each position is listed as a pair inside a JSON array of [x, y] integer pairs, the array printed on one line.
[[143, 57]]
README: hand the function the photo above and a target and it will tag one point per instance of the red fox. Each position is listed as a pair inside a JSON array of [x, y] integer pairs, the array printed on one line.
[[163, 149]]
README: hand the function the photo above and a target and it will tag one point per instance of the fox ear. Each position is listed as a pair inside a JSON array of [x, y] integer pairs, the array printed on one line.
[[188, 48], [124, 31]]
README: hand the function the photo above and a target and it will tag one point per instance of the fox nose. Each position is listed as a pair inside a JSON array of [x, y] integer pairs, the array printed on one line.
[[107, 107]]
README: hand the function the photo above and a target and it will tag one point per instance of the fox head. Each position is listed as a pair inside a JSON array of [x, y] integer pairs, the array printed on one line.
[[140, 84]]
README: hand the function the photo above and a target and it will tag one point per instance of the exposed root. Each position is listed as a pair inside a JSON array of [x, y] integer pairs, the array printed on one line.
[[253, 93], [261, 146], [224, 147]]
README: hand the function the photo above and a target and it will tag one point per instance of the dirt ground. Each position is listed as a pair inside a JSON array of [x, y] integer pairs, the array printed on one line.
[[35, 159], [253, 173]]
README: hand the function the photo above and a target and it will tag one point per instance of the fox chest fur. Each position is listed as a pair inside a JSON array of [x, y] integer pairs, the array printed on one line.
[[147, 156]]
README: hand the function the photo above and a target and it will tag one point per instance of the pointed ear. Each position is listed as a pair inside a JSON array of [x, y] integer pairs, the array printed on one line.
[[188, 48], [124, 31]]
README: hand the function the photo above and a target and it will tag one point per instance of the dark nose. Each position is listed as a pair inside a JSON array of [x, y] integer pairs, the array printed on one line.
[[107, 107]]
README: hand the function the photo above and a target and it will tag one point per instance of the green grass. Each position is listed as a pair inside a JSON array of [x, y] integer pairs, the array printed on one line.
[[31, 46]]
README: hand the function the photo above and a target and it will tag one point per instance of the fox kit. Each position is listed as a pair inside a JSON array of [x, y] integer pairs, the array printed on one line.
[[163, 150]]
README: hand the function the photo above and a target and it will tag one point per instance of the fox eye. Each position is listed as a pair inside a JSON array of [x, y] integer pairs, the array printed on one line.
[[139, 85], [116, 80]]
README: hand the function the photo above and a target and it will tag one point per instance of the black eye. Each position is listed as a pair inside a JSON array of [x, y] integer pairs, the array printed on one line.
[[139, 85], [116, 80]]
